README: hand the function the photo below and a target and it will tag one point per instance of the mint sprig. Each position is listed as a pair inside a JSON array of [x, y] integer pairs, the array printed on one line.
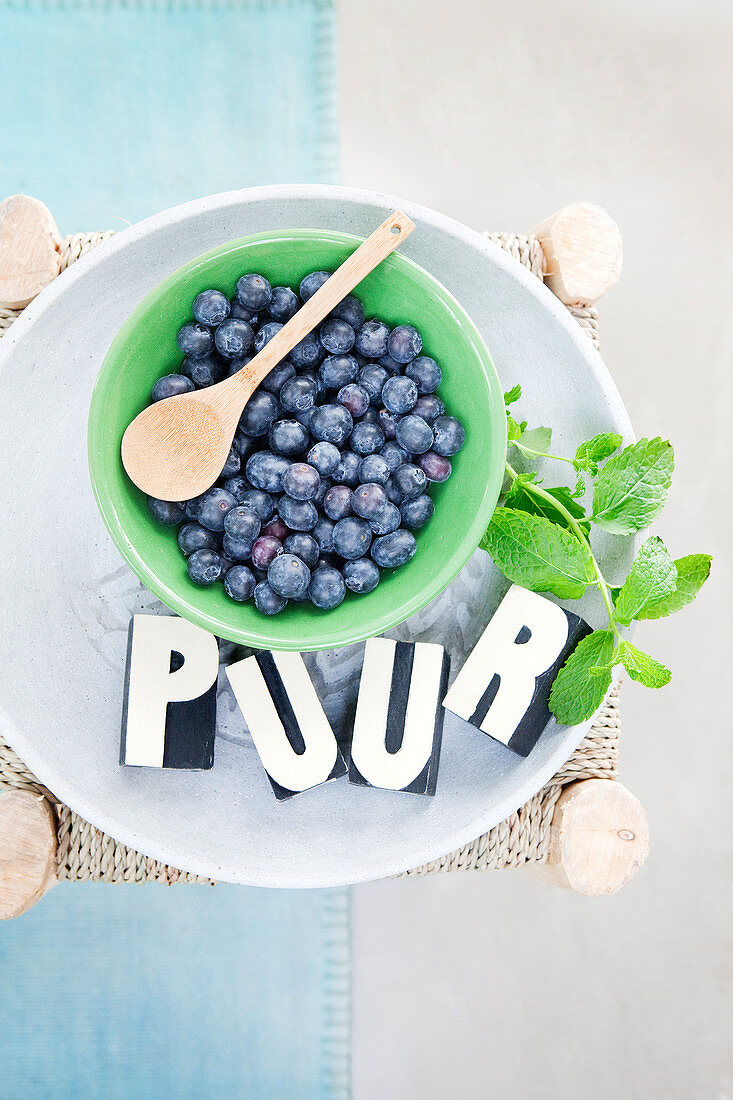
[[540, 538]]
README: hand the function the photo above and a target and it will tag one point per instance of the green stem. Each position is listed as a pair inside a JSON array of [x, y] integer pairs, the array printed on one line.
[[538, 454]]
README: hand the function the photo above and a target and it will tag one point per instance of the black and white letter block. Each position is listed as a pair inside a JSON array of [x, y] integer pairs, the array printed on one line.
[[290, 730], [399, 717], [504, 686], [169, 710]]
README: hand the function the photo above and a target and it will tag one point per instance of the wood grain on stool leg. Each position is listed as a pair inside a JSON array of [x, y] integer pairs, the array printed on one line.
[[598, 841], [30, 255], [583, 253], [27, 851]]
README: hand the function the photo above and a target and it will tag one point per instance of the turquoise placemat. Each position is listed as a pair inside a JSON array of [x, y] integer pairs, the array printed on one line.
[[112, 111]]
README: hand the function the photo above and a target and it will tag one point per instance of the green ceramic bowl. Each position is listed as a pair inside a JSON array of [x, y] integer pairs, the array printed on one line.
[[397, 291]]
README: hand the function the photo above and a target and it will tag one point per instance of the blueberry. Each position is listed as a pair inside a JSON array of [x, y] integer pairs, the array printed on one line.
[[371, 339], [304, 547], [372, 377], [276, 527], [265, 471], [260, 412], [388, 520], [325, 457], [244, 443], [170, 385], [283, 304], [327, 588], [308, 353], [361, 575], [311, 283], [409, 480], [331, 423], [429, 407], [299, 515], [425, 373], [264, 551], [338, 370], [213, 508], [239, 583], [301, 481], [366, 439], [288, 437], [253, 291], [450, 436], [266, 334], [373, 468], [393, 455], [243, 314], [416, 512], [192, 537], [337, 502], [414, 434], [232, 464], [267, 600], [369, 500], [435, 467], [203, 372], [350, 310], [204, 567], [261, 503], [347, 471], [394, 550], [354, 398], [277, 377], [234, 338], [211, 307], [352, 537], [288, 576], [323, 534], [195, 340], [388, 423], [243, 523], [405, 342], [336, 336], [236, 549], [399, 394], [235, 365], [298, 394]]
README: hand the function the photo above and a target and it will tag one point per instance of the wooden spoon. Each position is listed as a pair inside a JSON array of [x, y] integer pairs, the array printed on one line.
[[176, 449]]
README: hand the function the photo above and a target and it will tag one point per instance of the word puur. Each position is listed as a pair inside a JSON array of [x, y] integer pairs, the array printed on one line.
[[504, 686], [399, 718]]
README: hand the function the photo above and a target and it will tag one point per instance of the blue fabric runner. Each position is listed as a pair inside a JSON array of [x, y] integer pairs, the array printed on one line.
[[112, 111]]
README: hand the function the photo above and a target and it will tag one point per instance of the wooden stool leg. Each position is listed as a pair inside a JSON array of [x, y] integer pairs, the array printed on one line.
[[583, 253], [27, 851], [598, 841]]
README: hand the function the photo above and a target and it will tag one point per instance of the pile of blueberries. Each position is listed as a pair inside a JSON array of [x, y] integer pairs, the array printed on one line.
[[327, 477]]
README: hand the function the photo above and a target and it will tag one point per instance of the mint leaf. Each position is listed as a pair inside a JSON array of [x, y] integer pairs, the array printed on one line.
[[583, 681], [512, 395], [595, 450], [519, 497], [692, 572], [653, 576], [641, 667], [513, 430], [532, 551], [579, 490], [632, 487], [537, 439]]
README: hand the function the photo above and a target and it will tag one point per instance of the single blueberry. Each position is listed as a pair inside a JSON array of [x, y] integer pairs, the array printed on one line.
[[361, 575], [371, 339], [234, 338], [323, 534], [338, 370], [388, 423], [266, 334], [373, 468], [298, 394], [192, 537], [393, 455], [372, 377], [347, 471], [267, 600], [450, 436], [277, 377], [232, 464], [325, 457], [204, 567], [289, 576], [261, 503], [409, 480], [414, 434], [283, 304], [429, 407], [327, 588], [425, 373], [276, 527], [203, 372], [239, 583], [337, 502], [394, 550], [308, 353], [243, 523], [354, 398], [170, 385], [236, 549], [399, 394], [389, 519], [213, 508], [243, 314], [253, 291], [299, 515], [265, 471], [311, 283], [301, 481], [336, 336], [416, 512], [369, 500], [264, 551], [304, 547], [331, 423], [260, 412], [195, 340], [350, 310], [366, 439], [288, 437], [435, 467], [352, 537], [405, 342], [211, 307]]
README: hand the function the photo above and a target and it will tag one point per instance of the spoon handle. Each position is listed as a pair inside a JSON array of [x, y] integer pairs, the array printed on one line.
[[383, 241]]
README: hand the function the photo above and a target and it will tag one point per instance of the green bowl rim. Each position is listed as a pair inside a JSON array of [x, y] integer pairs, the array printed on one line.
[[253, 638]]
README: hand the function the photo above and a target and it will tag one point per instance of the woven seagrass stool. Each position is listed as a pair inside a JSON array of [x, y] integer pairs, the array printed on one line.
[[583, 830]]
